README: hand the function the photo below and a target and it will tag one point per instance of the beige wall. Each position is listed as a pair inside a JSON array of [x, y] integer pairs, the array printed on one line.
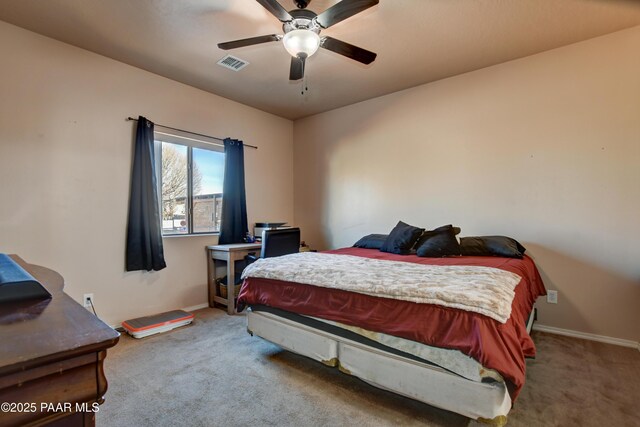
[[545, 149], [65, 158]]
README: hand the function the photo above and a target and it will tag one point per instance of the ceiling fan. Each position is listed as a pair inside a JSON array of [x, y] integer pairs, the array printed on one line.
[[302, 32]]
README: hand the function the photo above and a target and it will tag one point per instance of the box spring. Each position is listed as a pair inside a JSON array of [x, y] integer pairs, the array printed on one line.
[[411, 377]]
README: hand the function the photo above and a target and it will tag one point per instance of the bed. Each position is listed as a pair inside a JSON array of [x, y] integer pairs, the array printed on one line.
[[456, 357]]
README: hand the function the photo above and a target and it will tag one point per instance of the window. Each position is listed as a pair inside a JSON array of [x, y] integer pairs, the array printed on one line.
[[190, 174]]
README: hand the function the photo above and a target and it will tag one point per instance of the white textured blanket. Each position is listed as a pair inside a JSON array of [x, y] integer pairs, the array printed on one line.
[[483, 290]]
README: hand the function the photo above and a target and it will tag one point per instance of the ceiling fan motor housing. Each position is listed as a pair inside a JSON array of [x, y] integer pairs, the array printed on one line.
[[302, 20]]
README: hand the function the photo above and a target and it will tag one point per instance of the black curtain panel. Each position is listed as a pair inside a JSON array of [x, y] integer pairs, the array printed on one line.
[[234, 225], [144, 230]]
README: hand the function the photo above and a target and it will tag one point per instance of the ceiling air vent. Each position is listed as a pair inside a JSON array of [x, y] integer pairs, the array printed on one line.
[[233, 63]]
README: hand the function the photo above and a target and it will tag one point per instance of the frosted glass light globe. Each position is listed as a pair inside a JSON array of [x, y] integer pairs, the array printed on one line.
[[301, 41]]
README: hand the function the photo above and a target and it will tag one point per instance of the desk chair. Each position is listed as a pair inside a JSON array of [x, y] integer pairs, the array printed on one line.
[[277, 242]]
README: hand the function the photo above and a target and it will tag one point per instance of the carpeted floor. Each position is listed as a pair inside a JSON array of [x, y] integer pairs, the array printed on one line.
[[215, 374]]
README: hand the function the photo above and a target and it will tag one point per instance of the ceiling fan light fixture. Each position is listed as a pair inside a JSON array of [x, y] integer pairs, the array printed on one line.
[[302, 41]]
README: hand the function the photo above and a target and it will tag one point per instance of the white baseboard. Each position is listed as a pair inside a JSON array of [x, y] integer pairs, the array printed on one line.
[[196, 307], [586, 336]]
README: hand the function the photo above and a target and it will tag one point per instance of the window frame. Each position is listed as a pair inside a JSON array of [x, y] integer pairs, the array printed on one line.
[[183, 139]]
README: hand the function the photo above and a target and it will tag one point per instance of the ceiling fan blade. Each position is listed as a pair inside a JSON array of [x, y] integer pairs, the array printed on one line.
[[276, 10], [296, 72], [350, 51], [343, 10], [248, 42]]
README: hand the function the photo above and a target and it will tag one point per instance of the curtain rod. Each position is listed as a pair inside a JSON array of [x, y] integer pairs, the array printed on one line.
[[193, 133]]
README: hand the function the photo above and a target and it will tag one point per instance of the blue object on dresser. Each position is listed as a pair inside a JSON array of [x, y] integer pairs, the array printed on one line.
[[18, 285]]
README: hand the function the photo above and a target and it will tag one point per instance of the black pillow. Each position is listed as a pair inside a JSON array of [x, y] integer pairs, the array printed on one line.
[[439, 242], [501, 246], [401, 239], [456, 231], [372, 241]]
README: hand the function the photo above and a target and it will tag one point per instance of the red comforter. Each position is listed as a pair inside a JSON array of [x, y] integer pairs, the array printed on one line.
[[502, 347]]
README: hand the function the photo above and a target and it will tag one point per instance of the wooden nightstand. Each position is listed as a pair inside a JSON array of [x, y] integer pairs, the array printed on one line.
[[230, 254]]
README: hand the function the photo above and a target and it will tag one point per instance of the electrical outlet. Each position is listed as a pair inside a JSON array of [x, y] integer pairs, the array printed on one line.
[[87, 300], [552, 297]]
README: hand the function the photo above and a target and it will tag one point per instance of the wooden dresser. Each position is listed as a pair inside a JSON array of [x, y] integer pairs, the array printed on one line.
[[51, 358]]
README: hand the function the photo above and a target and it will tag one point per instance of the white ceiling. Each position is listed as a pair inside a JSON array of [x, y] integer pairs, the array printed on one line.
[[417, 41]]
